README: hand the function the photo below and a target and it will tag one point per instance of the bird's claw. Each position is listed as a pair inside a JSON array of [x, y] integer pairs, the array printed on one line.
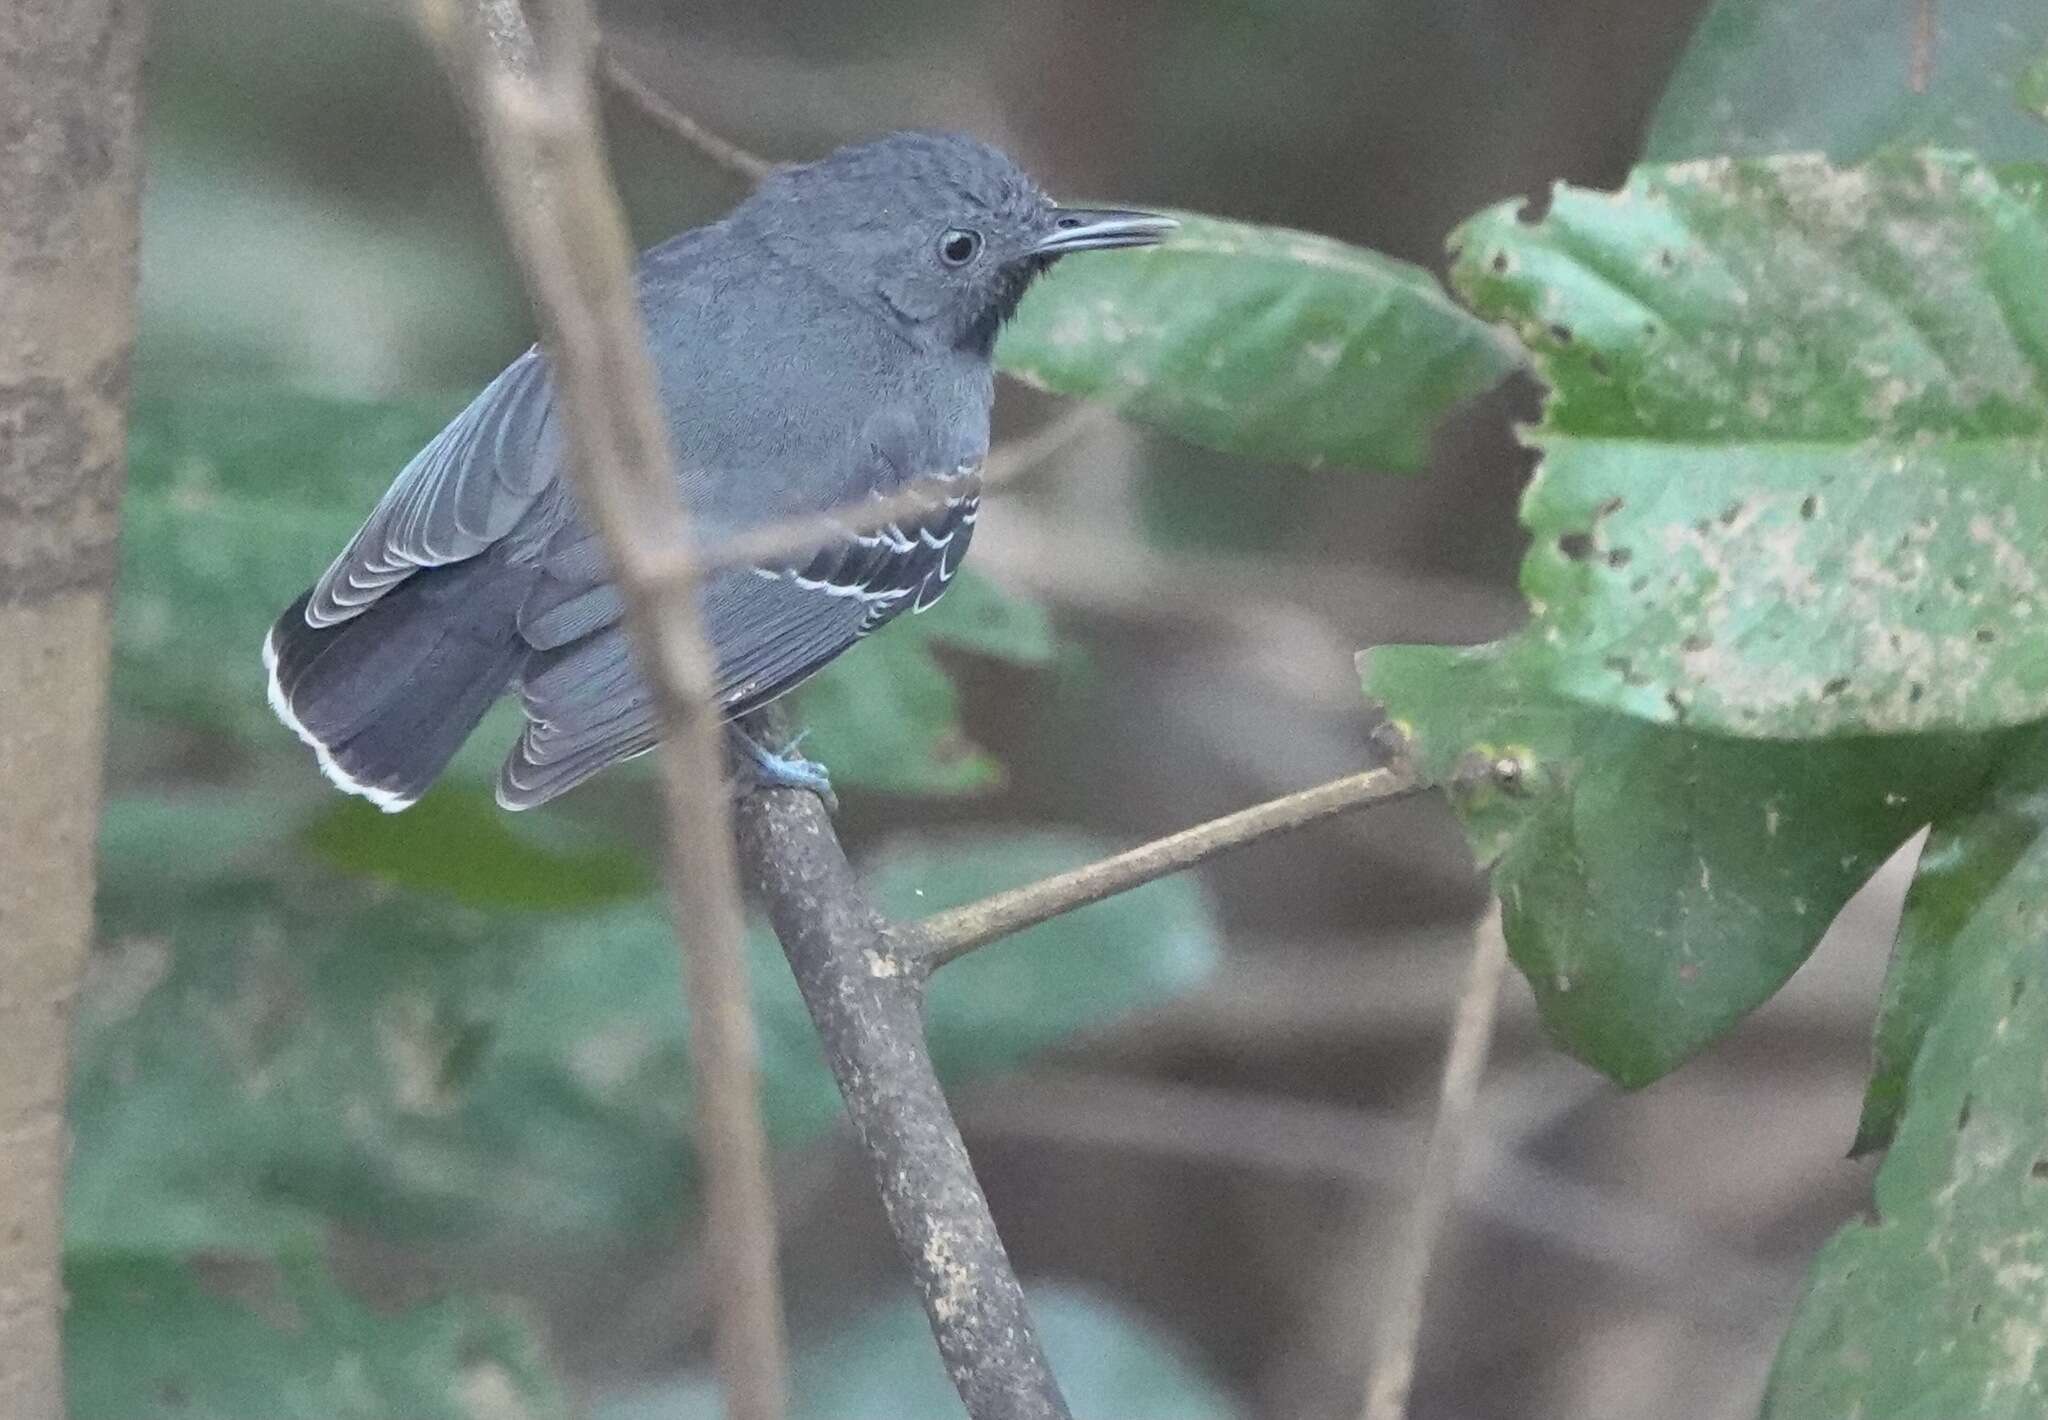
[[785, 768]]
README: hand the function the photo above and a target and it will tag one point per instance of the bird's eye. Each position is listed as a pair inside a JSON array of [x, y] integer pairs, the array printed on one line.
[[958, 246]]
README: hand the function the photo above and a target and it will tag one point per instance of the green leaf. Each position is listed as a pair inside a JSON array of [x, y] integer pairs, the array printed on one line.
[[1793, 476], [1109, 1363], [887, 717], [1657, 884], [1937, 1309], [1261, 341], [457, 841], [991, 1010], [1981, 861], [1834, 76], [232, 1336]]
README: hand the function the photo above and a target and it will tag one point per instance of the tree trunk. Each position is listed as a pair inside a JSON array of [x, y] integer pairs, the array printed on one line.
[[69, 177]]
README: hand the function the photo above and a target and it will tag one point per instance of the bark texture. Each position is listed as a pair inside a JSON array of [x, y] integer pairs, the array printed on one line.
[[69, 177], [866, 998]]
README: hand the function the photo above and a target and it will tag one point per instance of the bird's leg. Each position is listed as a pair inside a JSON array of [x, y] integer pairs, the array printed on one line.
[[780, 768]]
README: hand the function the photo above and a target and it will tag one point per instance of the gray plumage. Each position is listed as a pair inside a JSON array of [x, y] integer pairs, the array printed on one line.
[[828, 341]]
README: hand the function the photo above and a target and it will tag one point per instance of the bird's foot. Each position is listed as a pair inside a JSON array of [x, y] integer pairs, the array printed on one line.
[[784, 768]]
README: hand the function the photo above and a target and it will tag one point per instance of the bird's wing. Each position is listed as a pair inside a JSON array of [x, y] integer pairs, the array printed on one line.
[[769, 627], [460, 494], [907, 563]]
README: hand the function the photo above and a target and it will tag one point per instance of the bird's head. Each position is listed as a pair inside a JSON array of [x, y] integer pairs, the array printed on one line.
[[941, 231]]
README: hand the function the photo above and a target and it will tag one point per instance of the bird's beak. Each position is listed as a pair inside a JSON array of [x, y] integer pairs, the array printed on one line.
[[1097, 228]]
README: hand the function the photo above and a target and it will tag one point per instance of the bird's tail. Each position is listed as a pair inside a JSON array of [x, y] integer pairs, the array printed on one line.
[[386, 698]]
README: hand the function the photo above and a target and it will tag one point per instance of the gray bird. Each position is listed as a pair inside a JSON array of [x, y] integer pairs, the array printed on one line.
[[827, 342]]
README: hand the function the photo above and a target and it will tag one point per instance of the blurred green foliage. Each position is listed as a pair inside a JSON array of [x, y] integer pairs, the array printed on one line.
[[1764, 77], [228, 1336], [418, 1050]]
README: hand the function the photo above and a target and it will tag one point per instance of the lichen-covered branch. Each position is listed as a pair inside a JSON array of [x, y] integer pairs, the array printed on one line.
[[866, 998]]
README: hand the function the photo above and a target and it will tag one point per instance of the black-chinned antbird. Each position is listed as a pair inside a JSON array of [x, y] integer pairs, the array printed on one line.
[[829, 341]]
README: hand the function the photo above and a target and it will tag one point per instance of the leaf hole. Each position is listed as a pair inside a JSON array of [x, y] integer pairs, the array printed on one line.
[[1667, 258], [1608, 507], [2039, 1170], [1729, 514], [1500, 264], [1623, 667], [1578, 546], [2019, 989], [1834, 687], [1977, 1314], [1985, 635], [1676, 705], [1620, 557], [1963, 1115], [1696, 643], [1914, 692], [1809, 507]]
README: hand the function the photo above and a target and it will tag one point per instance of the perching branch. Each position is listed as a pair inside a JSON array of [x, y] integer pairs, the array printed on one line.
[[70, 170], [536, 111], [867, 1002]]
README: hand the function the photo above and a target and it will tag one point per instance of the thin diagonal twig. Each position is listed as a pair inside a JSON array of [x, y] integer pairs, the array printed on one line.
[[1398, 1315], [535, 109], [944, 936], [1920, 66], [722, 151]]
